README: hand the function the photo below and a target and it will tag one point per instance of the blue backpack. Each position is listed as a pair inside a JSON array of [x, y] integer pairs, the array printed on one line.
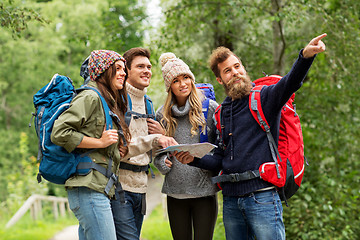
[[57, 165], [207, 89], [209, 93]]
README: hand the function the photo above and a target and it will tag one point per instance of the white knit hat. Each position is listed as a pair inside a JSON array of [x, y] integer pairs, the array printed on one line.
[[173, 67]]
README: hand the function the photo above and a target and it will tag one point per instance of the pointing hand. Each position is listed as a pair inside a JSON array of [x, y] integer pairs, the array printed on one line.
[[315, 46]]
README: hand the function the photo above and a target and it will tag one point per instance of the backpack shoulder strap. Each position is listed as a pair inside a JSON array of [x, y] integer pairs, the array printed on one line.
[[149, 106], [205, 107], [127, 115], [106, 108], [129, 102], [217, 116], [205, 110], [219, 126], [256, 109]]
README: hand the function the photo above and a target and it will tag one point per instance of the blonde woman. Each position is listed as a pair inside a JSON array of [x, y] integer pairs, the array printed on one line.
[[191, 197]]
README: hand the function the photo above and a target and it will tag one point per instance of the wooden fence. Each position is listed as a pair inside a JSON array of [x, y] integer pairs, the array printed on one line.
[[34, 203]]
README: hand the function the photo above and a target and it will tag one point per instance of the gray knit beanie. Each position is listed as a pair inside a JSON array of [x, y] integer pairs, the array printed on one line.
[[173, 67]]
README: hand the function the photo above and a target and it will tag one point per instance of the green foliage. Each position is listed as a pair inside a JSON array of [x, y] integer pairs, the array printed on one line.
[[16, 18], [58, 45], [329, 106], [22, 184], [124, 25]]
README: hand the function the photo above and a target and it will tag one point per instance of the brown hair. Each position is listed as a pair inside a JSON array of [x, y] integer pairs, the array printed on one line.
[[217, 56], [130, 54], [116, 99]]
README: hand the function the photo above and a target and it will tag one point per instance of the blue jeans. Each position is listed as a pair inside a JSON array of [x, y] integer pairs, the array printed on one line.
[[128, 217], [256, 215], [93, 211]]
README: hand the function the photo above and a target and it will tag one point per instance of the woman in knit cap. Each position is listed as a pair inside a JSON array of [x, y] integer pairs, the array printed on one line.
[[82, 126], [191, 197]]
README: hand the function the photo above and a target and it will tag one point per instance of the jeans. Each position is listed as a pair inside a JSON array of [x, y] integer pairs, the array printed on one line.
[[128, 216], [256, 215], [93, 211]]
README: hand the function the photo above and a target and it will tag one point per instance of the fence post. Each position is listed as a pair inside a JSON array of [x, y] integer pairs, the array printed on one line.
[[55, 210], [38, 204], [35, 205], [62, 208]]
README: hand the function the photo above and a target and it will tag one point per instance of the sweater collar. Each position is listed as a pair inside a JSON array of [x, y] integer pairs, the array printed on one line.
[[181, 111], [135, 92]]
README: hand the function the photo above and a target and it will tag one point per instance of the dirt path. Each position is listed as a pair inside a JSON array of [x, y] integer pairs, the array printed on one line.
[[153, 199]]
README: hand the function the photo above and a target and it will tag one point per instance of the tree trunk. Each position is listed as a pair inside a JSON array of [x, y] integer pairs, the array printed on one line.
[[278, 39], [221, 38]]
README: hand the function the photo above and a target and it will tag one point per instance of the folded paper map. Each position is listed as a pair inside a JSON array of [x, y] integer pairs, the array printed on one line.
[[197, 150]]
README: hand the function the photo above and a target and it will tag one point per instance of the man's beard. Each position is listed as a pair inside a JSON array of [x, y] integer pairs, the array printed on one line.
[[240, 89]]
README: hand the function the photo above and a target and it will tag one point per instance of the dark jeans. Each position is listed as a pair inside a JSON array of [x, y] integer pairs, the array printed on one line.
[[128, 217], [192, 218]]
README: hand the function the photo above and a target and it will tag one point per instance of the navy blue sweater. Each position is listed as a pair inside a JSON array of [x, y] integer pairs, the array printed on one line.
[[247, 146]]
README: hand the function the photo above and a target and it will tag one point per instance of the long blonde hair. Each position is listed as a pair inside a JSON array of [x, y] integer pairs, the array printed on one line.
[[196, 116]]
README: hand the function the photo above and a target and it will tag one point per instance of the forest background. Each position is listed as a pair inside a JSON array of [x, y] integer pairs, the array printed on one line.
[[39, 38]]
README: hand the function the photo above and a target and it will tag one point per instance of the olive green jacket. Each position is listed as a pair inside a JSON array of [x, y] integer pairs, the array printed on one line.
[[85, 117]]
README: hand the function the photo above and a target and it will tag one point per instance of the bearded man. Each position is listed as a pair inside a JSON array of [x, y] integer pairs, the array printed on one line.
[[251, 208]]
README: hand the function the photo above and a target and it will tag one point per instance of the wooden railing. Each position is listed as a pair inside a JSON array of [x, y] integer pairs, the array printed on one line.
[[34, 203]]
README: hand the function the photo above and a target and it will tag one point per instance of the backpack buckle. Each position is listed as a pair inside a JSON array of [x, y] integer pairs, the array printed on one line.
[[235, 177]]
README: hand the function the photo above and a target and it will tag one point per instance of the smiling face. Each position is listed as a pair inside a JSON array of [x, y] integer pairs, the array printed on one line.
[[230, 68], [118, 80], [181, 87], [234, 78], [140, 72]]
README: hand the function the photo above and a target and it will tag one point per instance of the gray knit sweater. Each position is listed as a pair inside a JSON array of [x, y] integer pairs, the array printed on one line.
[[181, 180]]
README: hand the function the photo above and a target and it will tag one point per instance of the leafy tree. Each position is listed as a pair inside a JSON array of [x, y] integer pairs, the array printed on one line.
[[124, 23], [16, 18], [27, 63]]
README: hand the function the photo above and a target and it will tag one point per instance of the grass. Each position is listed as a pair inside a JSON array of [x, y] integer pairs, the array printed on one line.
[[156, 226], [44, 229]]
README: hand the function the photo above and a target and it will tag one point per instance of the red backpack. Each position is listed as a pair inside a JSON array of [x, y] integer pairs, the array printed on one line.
[[287, 169]]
